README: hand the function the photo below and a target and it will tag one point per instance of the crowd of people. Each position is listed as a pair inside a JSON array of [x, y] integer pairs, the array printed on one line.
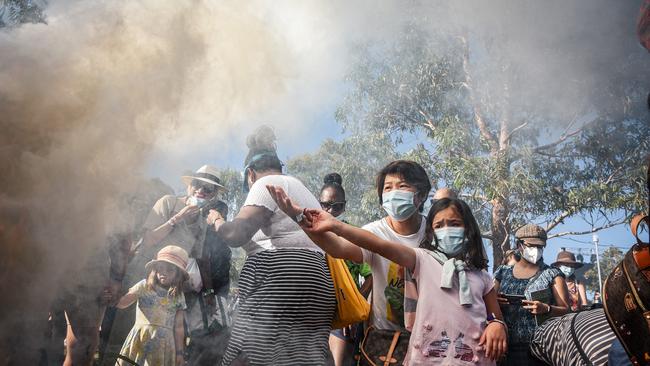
[[422, 267]]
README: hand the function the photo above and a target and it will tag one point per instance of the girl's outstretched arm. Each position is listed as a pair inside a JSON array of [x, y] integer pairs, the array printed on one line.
[[396, 252], [126, 300], [494, 337], [332, 244], [179, 337], [320, 225]]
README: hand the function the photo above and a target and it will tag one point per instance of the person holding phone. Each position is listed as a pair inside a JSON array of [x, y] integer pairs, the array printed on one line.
[[515, 284]]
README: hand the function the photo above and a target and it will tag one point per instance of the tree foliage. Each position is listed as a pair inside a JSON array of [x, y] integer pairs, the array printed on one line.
[[514, 157], [358, 159], [15, 12]]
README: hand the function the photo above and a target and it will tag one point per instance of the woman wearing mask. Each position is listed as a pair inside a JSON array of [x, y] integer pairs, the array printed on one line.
[[344, 342], [532, 278], [287, 299], [566, 262]]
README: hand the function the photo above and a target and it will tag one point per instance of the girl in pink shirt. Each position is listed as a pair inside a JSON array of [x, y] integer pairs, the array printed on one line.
[[457, 317]]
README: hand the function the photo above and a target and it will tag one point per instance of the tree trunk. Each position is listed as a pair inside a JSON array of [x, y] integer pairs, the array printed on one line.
[[500, 231]]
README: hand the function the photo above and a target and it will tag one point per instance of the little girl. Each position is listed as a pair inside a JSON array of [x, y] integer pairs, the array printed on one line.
[[457, 318], [157, 335]]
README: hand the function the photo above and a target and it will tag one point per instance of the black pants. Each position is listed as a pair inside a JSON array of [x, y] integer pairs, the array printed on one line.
[[519, 355]]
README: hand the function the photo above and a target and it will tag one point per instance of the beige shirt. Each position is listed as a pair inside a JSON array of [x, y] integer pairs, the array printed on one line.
[[184, 234]]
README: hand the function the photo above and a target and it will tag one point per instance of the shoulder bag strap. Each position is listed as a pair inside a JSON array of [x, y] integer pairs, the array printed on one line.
[[574, 336]]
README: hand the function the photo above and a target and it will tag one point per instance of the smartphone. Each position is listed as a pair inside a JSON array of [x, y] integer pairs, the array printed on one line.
[[513, 299]]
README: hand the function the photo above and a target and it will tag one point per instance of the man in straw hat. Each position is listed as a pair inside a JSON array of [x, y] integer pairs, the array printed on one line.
[[175, 220], [566, 262], [188, 222]]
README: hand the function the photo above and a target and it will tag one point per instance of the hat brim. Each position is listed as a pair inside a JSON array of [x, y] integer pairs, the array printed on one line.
[[150, 264], [534, 241], [572, 264], [187, 179]]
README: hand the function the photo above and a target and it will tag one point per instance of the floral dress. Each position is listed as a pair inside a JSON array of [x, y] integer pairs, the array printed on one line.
[[151, 340]]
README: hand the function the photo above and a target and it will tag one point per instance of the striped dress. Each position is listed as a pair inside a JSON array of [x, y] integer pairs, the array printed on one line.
[[559, 340], [287, 299]]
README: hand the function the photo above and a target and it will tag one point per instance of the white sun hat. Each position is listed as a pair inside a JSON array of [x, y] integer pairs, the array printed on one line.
[[207, 174]]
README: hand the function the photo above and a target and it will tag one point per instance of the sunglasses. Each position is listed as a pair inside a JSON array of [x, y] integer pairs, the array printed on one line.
[[205, 187], [334, 206]]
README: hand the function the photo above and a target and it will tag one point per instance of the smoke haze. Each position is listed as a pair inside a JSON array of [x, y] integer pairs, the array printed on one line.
[[87, 100]]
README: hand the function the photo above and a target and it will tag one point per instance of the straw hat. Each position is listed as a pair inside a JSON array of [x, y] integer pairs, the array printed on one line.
[[207, 174], [174, 255], [568, 259]]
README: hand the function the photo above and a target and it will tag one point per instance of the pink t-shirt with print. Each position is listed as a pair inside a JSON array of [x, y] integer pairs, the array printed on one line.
[[445, 332]]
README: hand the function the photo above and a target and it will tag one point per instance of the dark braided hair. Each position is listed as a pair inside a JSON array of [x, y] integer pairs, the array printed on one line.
[[335, 182]]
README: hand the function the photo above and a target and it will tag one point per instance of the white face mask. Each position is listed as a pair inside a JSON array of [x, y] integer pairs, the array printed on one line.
[[568, 271], [196, 201], [532, 254]]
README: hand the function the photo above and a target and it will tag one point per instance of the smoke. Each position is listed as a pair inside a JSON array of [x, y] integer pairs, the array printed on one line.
[[89, 99], [83, 101]]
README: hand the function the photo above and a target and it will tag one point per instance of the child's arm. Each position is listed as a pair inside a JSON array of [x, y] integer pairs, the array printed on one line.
[[396, 252], [583, 294], [126, 300], [321, 228], [179, 337], [494, 337], [329, 242]]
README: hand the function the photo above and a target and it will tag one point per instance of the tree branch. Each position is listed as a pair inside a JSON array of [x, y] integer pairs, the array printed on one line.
[[558, 220], [592, 230], [480, 122], [564, 137], [477, 197], [516, 129]]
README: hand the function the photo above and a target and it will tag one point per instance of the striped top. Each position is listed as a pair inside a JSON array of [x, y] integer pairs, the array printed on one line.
[[559, 340]]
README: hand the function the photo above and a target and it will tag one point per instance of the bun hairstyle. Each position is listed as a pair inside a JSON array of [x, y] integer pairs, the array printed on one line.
[[335, 182], [262, 154], [333, 178]]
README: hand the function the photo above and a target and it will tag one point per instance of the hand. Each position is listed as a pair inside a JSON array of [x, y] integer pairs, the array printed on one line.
[[502, 300], [111, 293], [494, 339], [318, 221], [284, 202], [180, 360], [187, 212], [213, 216], [536, 307]]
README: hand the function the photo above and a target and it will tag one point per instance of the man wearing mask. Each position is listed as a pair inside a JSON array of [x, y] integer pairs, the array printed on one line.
[[532, 278]]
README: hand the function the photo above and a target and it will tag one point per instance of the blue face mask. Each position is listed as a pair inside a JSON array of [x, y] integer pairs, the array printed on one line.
[[451, 240], [568, 271], [399, 204]]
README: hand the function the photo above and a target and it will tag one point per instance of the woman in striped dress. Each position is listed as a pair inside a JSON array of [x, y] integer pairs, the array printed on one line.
[[287, 299]]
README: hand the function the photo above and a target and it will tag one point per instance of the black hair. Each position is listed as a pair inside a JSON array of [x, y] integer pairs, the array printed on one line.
[[335, 182], [475, 255], [262, 155], [412, 172]]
